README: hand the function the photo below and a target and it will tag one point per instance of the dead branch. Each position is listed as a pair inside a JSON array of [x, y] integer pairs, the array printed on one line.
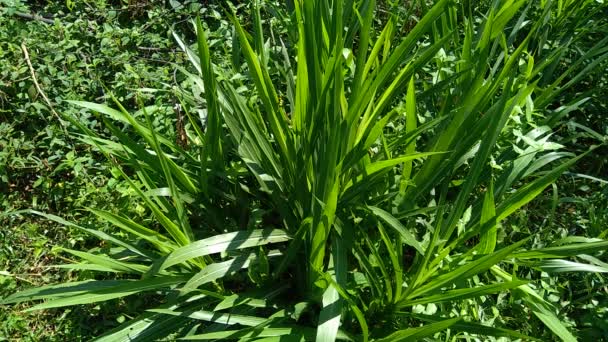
[[39, 89], [35, 17]]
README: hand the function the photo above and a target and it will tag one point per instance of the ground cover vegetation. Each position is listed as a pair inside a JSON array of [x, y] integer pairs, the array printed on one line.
[[315, 170]]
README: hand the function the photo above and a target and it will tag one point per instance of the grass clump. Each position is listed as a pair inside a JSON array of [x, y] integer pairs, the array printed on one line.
[[351, 183]]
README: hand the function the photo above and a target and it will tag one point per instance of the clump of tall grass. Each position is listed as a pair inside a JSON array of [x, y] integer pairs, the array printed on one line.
[[365, 205]]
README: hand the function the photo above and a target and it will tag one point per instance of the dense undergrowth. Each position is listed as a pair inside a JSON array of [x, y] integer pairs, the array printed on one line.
[[447, 181], [96, 44]]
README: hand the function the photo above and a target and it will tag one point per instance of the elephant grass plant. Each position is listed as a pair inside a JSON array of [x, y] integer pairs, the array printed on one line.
[[334, 199]]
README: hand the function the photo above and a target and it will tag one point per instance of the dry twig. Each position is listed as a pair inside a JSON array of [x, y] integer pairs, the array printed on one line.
[[39, 89], [35, 17]]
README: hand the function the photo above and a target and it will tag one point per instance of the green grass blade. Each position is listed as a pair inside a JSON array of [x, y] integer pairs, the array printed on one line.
[[415, 334], [467, 270], [282, 332], [563, 251], [146, 327], [487, 240], [411, 123], [331, 314], [266, 91], [215, 317], [541, 308], [477, 328], [394, 254], [559, 266], [90, 293], [533, 189], [178, 206], [155, 238], [60, 290], [213, 138], [223, 243], [109, 263], [216, 271], [99, 234], [406, 235], [459, 294]]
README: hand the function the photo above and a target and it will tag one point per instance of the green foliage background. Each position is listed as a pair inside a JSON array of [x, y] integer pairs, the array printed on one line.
[[90, 45], [98, 45]]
